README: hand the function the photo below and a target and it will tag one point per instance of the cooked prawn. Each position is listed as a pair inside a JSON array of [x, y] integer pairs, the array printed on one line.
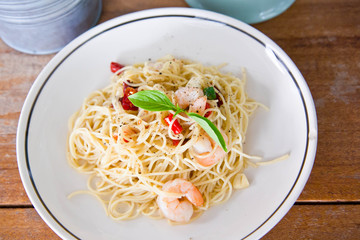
[[198, 106], [179, 210], [204, 145], [184, 96]]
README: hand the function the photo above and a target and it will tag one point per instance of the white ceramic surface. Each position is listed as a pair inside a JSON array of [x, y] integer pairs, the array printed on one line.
[[83, 66]]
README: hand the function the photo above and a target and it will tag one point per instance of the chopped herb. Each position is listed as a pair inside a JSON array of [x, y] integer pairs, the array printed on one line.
[[210, 93]]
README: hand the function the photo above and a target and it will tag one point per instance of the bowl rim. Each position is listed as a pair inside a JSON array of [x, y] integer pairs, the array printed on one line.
[[45, 75]]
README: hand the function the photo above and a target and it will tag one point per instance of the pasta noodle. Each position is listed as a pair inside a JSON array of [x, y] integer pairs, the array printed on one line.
[[131, 154]]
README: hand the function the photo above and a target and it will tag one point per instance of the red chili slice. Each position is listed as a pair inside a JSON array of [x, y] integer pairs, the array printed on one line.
[[207, 114], [114, 67], [176, 127], [125, 102], [176, 142]]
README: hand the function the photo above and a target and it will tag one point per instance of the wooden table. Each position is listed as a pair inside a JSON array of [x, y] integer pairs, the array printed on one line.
[[323, 39]]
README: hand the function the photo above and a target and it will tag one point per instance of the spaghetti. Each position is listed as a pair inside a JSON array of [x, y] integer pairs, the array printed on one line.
[[131, 153]]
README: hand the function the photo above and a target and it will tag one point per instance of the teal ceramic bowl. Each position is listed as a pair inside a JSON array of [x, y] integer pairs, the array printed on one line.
[[249, 11]]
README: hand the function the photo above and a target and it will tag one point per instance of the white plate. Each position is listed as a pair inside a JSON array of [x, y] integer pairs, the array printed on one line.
[[83, 66]]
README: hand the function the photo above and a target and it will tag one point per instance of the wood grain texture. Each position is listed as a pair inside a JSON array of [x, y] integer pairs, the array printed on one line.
[[17, 73], [331, 222], [12, 190], [323, 39], [23, 223]]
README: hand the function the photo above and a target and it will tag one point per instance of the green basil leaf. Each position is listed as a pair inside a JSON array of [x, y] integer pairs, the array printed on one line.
[[179, 110], [210, 129], [152, 100], [209, 92]]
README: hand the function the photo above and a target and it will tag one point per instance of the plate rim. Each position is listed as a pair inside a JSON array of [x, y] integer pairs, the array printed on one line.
[[56, 61]]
